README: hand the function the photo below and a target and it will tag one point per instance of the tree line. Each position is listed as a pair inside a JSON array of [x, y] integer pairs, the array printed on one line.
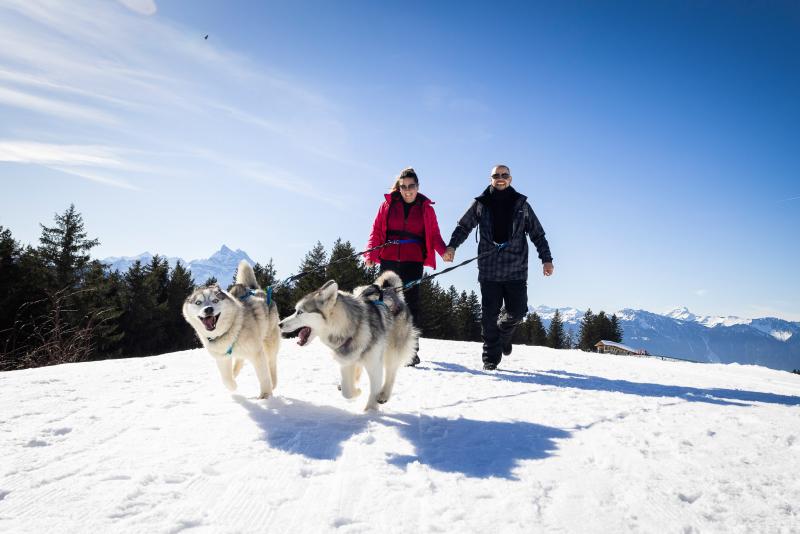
[[57, 305]]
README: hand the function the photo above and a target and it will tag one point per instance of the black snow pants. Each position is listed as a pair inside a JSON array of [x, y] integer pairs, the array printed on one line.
[[497, 329]]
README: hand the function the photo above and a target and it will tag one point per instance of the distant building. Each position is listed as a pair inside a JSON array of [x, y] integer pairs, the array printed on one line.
[[610, 347]]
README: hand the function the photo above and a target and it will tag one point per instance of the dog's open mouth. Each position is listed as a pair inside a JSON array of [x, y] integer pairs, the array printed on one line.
[[301, 333], [209, 321], [304, 333]]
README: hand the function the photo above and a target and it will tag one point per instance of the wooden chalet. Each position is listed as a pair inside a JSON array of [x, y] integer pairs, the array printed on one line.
[[610, 347]]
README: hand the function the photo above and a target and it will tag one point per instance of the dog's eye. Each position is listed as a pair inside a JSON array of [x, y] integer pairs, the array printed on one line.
[[198, 302], [215, 301], [299, 312]]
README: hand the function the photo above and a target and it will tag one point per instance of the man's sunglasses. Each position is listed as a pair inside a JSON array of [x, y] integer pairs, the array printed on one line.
[[504, 176]]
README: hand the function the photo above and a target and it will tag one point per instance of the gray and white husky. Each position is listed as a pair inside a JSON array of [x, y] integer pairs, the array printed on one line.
[[237, 325], [370, 328]]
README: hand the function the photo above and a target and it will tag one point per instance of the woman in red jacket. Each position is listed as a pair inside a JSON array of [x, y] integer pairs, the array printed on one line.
[[406, 215]]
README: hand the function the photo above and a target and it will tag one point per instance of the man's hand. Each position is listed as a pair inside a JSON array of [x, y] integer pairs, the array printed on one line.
[[547, 268], [369, 263], [449, 254]]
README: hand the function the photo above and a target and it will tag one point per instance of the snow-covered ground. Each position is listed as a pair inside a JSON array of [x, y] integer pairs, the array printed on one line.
[[555, 441]]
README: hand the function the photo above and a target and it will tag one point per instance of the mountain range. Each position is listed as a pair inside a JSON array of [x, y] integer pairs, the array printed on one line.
[[221, 265], [766, 341]]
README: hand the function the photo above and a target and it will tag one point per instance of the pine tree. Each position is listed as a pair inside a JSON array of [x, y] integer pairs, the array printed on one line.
[[451, 327], [616, 329], [344, 266], [538, 333], [467, 317], [586, 334], [474, 328], [65, 248], [369, 274], [179, 287], [10, 278], [283, 294], [602, 328], [555, 336], [139, 311], [266, 275], [101, 305], [313, 264], [430, 300], [522, 333]]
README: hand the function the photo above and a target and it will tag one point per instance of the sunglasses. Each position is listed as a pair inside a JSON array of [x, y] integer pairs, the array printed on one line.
[[504, 176], [409, 187]]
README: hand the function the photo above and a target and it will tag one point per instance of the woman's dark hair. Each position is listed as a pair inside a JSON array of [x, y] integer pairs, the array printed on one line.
[[408, 172]]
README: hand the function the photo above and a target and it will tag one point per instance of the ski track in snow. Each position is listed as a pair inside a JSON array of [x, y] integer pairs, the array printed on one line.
[[554, 441]]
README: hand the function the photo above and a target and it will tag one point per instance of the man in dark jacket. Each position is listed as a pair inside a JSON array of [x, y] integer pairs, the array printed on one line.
[[504, 218]]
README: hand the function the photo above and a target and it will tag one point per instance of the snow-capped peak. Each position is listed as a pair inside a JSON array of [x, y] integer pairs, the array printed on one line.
[[682, 314]]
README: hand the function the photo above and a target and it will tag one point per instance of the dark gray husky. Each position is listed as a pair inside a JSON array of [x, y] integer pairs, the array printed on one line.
[[370, 328]]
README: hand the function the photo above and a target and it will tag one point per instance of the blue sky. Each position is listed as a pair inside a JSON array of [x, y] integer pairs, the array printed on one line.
[[657, 141]]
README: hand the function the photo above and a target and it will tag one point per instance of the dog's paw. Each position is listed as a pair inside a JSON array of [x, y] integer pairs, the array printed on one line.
[[265, 395], [371, 407], [355, 392], [230, 384], [382, 398]]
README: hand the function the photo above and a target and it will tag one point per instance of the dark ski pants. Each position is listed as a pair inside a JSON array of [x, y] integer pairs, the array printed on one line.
[[408, 271], [497, 329]]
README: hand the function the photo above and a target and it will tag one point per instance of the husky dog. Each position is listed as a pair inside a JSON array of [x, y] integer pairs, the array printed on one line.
[[370, 328], [237, 325]]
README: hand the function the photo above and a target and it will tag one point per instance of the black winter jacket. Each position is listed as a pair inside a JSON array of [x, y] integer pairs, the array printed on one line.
[[510, 263]]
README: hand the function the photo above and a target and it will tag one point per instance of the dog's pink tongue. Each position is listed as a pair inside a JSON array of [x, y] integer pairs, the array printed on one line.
[[210, 322], [303, 334]]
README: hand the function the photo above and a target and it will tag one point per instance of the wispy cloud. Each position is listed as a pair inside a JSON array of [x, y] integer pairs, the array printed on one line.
[[94, 176], [788, 199], [143, 7], [49, 106], [95, 163], [53, 154], [99, 71], [701, 292]]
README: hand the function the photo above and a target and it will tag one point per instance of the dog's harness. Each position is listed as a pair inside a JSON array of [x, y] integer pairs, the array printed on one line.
[[345, 347], [230, 348]]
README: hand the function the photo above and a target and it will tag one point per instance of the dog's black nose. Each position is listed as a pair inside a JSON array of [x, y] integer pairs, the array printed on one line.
[[208, 310]]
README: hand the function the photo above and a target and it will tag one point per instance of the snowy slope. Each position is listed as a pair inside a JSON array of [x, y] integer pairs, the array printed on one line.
[[556, 441]]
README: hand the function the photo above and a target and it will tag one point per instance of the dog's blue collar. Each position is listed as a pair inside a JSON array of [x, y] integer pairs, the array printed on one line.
[[230, 348]]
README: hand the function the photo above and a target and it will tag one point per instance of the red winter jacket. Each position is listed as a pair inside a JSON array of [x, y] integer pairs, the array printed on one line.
[[421, 221]]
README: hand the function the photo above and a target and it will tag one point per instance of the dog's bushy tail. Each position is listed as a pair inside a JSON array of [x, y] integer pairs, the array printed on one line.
[[388, 279], [246, 276]]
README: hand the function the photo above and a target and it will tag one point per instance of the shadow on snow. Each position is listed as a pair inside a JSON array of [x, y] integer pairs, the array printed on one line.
[[479, 449], [565, 379]]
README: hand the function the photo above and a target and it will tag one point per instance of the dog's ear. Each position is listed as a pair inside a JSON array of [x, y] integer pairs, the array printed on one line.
[[328, 292]]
